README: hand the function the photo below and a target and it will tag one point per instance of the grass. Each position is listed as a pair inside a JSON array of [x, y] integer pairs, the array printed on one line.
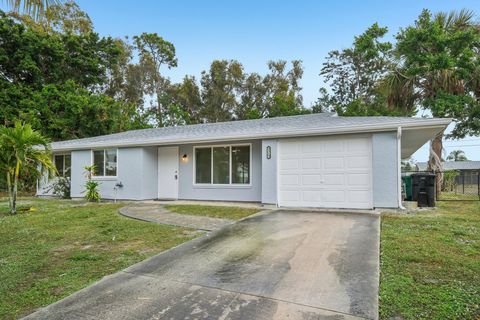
[[430, 263], [63, 246], [233, 213]]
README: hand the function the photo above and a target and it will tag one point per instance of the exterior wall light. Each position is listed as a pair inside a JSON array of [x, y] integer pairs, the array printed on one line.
[[269, 152], [185, 158]]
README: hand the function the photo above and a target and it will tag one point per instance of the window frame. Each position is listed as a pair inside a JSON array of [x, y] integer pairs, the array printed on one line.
[[63, 155], [104, 177], [230, 184]]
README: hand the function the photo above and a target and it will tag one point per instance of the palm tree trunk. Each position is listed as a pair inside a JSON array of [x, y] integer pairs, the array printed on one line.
[[15, 189], [437, 146], [10, 193]]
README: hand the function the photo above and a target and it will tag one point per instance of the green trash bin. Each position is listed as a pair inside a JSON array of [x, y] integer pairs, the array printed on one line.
[[407, 182]]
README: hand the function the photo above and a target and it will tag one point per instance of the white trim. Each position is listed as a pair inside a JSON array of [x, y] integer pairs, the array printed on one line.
[[399, 167], [439, 123], [230, 184], [104, 177]]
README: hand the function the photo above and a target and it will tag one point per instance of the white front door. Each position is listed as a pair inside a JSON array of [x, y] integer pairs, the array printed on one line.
[[331, 172], [168, 173]]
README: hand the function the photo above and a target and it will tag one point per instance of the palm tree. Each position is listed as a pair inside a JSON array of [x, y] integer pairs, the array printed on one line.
[[22, 149], [34, 8], [457, 155], [406, 87]]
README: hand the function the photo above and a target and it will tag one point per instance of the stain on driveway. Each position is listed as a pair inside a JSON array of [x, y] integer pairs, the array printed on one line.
[[284, 264]]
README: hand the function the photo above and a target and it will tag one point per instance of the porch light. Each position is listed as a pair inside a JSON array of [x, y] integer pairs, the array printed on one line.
[[185, 158]]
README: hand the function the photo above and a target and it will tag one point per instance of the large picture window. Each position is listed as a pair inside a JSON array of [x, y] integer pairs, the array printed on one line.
[[62, 164], [222, 165], [105, 162]]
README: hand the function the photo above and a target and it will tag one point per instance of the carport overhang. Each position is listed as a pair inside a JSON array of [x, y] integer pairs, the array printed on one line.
[[413, 139]]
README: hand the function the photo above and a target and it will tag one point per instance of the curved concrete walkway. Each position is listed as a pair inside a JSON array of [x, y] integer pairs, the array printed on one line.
[[158, 214]]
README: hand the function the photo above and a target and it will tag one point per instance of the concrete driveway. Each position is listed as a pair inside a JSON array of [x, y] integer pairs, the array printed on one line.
[[280, 265]]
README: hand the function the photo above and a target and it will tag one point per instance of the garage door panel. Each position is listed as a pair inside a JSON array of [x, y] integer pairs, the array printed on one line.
[[358, 196], [334, 179], [290, 195], [311, 179], [358, 162], [311, 163], [334, 163], [289, 164], [330, 196], [358, 179], [290, 180], [331, 172], [333, 146]]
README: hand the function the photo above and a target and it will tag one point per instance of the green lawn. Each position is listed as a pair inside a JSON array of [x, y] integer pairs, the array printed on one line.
[[430, 263], [63, 246], [233, 213]]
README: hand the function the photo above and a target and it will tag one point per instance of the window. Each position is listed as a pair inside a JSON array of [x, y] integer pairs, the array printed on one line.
[[105, 162], [63, 164], [222, 165]]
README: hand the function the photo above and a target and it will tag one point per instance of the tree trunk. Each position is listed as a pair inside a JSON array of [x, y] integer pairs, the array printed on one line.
[[159, 106], [15, 189], [10, 193], [435, 161]]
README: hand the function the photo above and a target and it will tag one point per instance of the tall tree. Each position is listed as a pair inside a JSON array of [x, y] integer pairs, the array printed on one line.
[[354, 73], [457, 155], [34, 8], [22, 148], [221, 86], [60, 17], [438, 70], [155, 52]]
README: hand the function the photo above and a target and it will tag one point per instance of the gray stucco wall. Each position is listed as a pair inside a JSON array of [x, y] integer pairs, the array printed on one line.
[[137, 171], [187, 190], [385, 170], [269, 172]]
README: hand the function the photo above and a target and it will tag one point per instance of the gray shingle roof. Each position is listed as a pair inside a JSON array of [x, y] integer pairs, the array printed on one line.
[[453, 165], [322, 123]]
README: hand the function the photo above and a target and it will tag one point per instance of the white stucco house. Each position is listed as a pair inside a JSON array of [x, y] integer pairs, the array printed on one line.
[[317, 160]]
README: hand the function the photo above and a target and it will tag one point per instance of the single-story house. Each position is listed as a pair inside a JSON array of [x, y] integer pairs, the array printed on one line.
[[316, 160], [468, 171]]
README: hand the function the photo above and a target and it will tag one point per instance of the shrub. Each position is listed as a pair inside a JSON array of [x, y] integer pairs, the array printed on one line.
[[91, 186]]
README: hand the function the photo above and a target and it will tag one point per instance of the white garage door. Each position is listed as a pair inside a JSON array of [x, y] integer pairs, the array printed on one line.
[[330, 172]]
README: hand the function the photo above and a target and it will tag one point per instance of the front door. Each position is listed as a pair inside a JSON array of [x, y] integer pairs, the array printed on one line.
[[168, 173]]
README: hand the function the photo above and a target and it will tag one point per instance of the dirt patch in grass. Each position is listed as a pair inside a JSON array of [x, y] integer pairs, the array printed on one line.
[[233, 213], [430, 263], [64, 245]]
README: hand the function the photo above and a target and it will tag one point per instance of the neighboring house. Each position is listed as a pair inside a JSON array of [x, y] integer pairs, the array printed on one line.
[[317, 160], [468, 171]]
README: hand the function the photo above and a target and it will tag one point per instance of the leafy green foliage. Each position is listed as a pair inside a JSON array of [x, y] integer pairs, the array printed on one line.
[[457, 155], [354, 74], [23, 149], [52, 81], [61, 187], [91, 186]]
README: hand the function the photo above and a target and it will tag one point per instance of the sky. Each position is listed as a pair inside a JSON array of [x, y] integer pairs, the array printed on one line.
[[254, 32]]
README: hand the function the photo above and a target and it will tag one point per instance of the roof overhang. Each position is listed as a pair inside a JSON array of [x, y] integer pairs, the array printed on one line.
[[426, 129], [414, 138]]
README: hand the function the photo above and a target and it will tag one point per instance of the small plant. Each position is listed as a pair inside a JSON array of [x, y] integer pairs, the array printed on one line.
[[91, 186], [61, 187]]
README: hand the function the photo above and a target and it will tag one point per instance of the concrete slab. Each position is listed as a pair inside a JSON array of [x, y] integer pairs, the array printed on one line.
[[285, 264]]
